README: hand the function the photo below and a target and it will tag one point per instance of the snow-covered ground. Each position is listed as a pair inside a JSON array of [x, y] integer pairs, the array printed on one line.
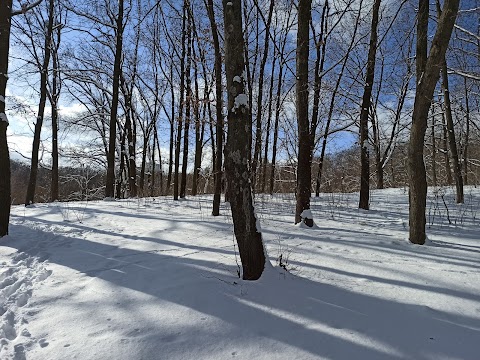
[[157, 279]]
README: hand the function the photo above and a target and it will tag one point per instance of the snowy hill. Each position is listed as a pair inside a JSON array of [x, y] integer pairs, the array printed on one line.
[[157, 279]]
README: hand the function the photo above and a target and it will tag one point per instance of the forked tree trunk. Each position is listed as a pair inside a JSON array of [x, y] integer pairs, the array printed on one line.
[[32, 181], [428, 72], [249, 238]]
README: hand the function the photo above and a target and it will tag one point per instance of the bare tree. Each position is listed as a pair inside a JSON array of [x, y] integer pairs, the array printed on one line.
[[428, 72], [364, 202], [6, 14], [117, 69], [304, 169], [249, 238], [32, 182]]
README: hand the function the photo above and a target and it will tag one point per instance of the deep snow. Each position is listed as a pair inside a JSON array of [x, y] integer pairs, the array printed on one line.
[[157, 279]]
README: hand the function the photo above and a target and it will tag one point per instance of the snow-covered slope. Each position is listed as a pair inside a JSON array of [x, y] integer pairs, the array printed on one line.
[[157, 279]]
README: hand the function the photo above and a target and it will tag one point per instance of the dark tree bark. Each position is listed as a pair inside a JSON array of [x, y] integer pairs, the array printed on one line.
[[434, 150], [446, 156], [172, 133], [5, 191], [457, 168], [269, 125], [188, 104], [428, 72], [304, 167], [110, 182], [364, 202], [54, 98], [6, 14], [278, 106], [32, 181], [219, 111], [249, 238], [467, 133], [181, 102]]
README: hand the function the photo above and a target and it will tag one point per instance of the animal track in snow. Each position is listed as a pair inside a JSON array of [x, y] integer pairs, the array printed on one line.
[[21, 273]]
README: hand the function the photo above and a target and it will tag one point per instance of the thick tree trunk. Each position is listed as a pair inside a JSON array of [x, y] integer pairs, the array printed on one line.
[[304, 169], [5, 191], [428, 72], [32, 182], [364, 202], [110, 183], [249, 238]]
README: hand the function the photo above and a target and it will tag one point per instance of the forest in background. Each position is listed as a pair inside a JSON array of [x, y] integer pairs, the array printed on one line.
[[170, 91]]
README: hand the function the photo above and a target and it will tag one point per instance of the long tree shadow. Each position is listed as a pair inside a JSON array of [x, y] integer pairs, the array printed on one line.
[[321, 320]]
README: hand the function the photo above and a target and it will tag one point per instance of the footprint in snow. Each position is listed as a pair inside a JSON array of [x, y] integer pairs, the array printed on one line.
[[43, 343]]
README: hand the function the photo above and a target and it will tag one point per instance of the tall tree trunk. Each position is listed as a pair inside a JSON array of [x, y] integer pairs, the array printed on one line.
[[188, 104], [172, 133], [446, 156], [110, 182], [219, 112], [304, 167], [199, 129], [364, 201], [32, 182], [261, 75], [278, 107], [428, 72], [121, 169], [467, 133], [457, 169], [434, 150], [269, 124], [249, 238], [181, 102], [5, 190], [55, 94]]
